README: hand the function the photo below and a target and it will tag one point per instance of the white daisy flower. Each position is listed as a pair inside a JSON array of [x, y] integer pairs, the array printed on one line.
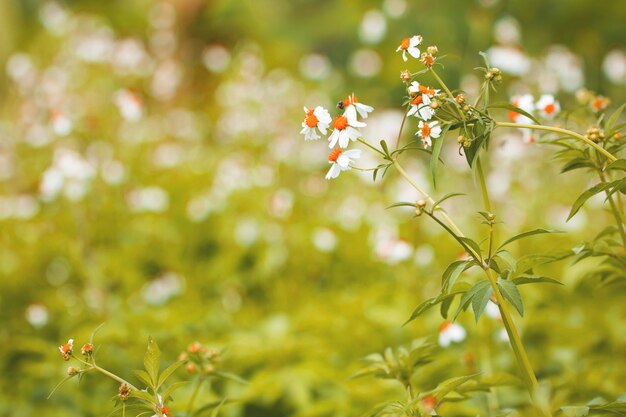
[[410, 45], [416, 87], [548, 106], [428, 131], [345, 130], [351, 104], [525, 102], [317, 118], [341, 161], [450, 332], [420, 107]]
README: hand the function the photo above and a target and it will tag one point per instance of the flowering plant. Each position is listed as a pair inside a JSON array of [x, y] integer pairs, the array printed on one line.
[[438, 112]]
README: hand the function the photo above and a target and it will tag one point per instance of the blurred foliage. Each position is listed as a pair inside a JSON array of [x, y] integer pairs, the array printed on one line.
[[207, 219]]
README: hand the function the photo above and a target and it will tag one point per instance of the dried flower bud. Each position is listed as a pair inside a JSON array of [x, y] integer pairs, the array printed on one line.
[[124, 391], [489, 75], [584, 96], [467, 143], [71, 371], [209, 369], [87, 349], [467, 108], [434, 104], [405, 76], [428, 60], [183, 356], [461, 139], [420, 203], [432, 50], [460, 98], [418, 211], [191, 368]]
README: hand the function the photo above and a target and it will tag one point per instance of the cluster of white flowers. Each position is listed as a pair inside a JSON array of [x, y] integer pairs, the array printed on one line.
[[345, 129], [545, 107]]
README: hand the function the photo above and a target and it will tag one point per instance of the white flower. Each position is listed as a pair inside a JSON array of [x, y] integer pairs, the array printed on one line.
[[317, 118], [525, 102], [450, 332], [420, 107], [129, 105], [548, 106], [61, 124], [341, 161], [351, 104], [416, 87], [427, 131], [410, 45], [345, 130]]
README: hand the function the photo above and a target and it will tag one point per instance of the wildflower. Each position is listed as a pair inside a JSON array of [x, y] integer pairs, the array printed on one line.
[[129, 104], [191, 368], [460, 98], [450, 332], [600, 103], [548, 106], [416, 87], [66, 349], [410, 45], [345, 130], [427, 59], [317, 118], [352, 105], [524, 102], [420, 107], [87, 349], [429, 403], [196, 347], [428, 131], [341, 161], [432, 50]]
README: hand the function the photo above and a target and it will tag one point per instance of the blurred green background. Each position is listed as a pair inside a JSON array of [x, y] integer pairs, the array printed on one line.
[[152, 177]]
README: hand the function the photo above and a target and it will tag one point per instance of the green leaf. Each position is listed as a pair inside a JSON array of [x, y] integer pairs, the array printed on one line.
[[444, 198], [506, 258], [402, 204], [509, 106], [608, 126], [93, 334], [168, 371], [231, 376], [525, 234], [434, 159], [511, 293], [534, 279], [152, 360], [452, 273], [143, 377], [472, 244], [577, 163], [385, 148], [173, 387], [575, 411], [431, 302], [582, 199], [480, 299], [142, 395], [212, 406], [469, 295], [57, 386], [451, 384]]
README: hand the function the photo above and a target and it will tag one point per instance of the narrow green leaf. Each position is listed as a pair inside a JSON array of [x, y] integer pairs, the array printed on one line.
[[469, 295], [383, 145], [505, 257], [431, 302], [613, 119], [575, 411], [525, 234], [171, 388], [402, 204], [168, 371], [534, 279], [143, 377], [452, 273], [57, 386], [434, 159], [451, 384], [511, 293], [142, 395], [582, 199], [231, 376], [152, 360], [93, 334], [445, 197], [509, 106], [480, 299], [472, 244]]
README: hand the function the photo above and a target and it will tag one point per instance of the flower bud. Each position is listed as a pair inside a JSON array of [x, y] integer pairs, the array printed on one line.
[[209, 369], [191, 368], [467, 143], [491, 217], [420, 203], [489, 75], [460, 98], [432, 50], [467, 108], [405, 76], [418, 211], [460, 139], [71, 371], [434, 104], [87, 349], [124, 391], [428, 60]]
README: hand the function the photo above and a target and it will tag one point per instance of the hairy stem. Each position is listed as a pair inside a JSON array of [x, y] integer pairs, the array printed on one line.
[[448, 92], [616, 211], [483, 185], [113, 376], [570, 133]]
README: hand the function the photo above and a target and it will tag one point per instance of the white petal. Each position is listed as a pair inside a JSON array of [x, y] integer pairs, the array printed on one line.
[[350, 113], [333, 172], [411, 111], [415, 52], [353, 153], [333, 138], [414, 87], [404, 56], [435, 132], [343, 161], [444, 340], [344, 138], [352, 133], [363, 109], [415, 40]]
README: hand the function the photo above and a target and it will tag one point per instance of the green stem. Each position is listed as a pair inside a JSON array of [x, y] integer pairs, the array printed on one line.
[[616, 213], [401, 128], [483, 185], [570, 133], [113, 376], [426, 196], [448, 92], [192, 399]]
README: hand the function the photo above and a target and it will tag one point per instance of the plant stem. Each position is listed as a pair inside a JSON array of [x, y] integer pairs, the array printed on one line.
[[448, 92], [401, 128], [575, 135], [192, 399], [113, 376], [427, 197], [616, 213], [483, 185]]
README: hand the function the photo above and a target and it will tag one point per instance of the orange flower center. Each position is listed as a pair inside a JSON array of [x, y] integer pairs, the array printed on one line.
[[598, 103], [444, 326], [513, 114], [165, 411], [340, 122], [350, 100], [426, 90], [428, 60], [417, 100], [406, 42], [334, 155], [66, 348], [550, 108], [425, 130], [310, 119], [429, 402]]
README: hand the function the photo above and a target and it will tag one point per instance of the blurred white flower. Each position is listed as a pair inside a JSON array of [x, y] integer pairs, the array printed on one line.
[[54, 17], [69, 172], [492, 310], [37, 315], [148, 199], [510, 59], [61, 124], [450, 332], [373, 27], [324, 239], [129, 104], [614, 66], [161, 289], [315, 66], [548, 107], [392, 250], [216, 58], [394, 8]]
